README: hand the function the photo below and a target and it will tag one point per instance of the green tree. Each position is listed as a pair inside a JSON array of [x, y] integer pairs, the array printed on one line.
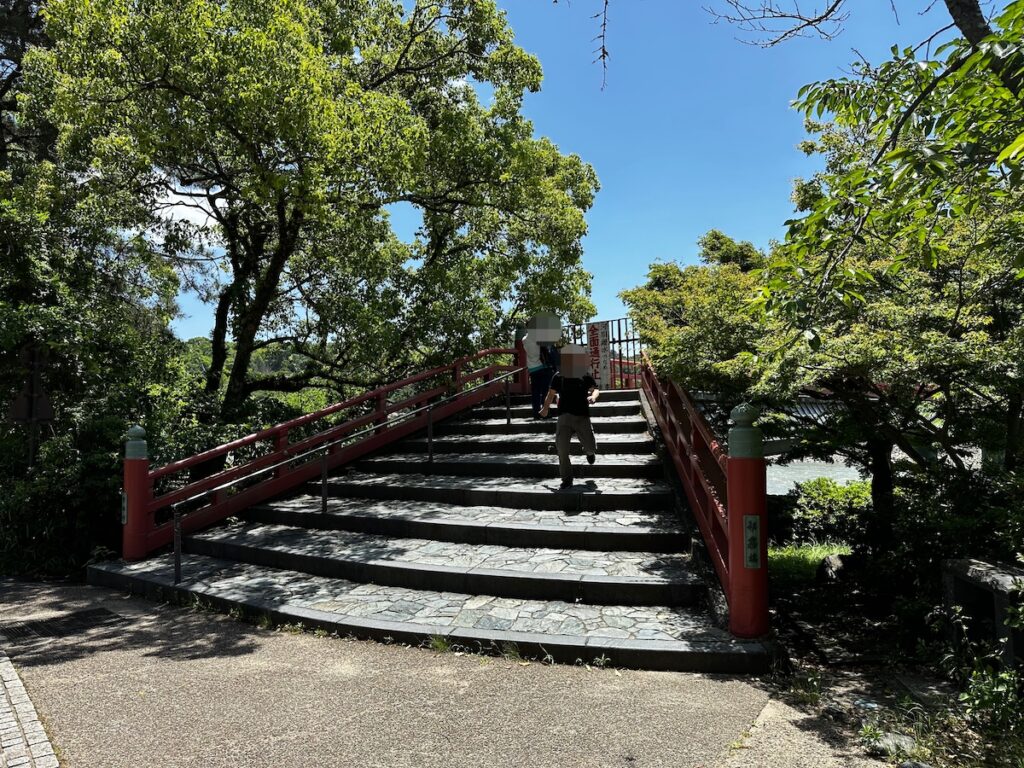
[[285, 130], [927, 360], [78, 288]]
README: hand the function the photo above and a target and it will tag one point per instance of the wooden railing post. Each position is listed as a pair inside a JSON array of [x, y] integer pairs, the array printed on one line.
[[136, 519], [522, 378], [748, 530], [280, 443], [382, 412], [457, 375]]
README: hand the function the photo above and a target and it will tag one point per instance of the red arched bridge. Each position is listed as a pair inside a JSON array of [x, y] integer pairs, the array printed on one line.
[[427, 507]]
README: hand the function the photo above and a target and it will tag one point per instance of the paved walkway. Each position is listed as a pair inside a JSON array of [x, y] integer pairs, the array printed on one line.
[[23, 741], [130, 683]]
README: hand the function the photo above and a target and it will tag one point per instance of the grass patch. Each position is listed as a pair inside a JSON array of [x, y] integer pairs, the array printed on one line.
[[798, 563]]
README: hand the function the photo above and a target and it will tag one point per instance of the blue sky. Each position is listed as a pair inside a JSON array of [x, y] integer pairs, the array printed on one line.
[[692, 132]]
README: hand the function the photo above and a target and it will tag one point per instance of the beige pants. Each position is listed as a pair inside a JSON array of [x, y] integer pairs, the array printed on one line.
[[568, 424]]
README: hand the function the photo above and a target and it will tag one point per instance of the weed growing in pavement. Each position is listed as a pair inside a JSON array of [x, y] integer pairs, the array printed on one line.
[[805, 687], [439, 644], [510, 651]]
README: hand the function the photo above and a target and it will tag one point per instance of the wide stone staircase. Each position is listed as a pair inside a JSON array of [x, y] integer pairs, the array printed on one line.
[[476, 548]]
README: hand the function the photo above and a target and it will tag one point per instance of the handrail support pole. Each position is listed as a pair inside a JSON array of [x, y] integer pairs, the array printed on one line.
[[323, 484], [508, 405], [430, 435], [177, 545]]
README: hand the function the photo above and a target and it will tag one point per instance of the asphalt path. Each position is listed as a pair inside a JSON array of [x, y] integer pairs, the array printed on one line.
[[129, 683]]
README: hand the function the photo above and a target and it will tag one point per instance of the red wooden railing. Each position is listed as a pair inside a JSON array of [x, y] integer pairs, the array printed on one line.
[[727, 497], [625, 373], [290, 464]]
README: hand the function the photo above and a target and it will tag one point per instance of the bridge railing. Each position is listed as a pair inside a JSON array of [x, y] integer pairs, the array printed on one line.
[[726, 490], [393, 411]]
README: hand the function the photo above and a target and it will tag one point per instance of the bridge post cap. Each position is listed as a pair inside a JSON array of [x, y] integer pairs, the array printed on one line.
[[745, 440], [744, 414], [135, 447]]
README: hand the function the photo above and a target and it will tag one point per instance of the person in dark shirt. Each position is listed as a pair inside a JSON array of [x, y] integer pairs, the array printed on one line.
[[575, 393]]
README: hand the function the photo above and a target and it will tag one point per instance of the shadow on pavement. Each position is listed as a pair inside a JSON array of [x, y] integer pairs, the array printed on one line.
[[51, 623]]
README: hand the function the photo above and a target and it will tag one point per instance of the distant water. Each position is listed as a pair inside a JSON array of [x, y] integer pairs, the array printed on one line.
[[782, 480]]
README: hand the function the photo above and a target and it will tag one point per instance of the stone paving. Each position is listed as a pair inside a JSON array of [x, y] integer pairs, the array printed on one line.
[[243, 582], [601, 424], [541, 440], [623, 520], [343, 545], [23, 741], [266, 565], [614, 460], [624, 487], [597, 410]]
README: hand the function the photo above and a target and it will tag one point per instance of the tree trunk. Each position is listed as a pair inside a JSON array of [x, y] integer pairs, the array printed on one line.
[[219, 347], [970, 20], [1014, 430], [879, 528], [237, 393]]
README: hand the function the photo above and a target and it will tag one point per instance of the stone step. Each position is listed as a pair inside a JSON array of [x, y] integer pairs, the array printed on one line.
[[603, 425], [607, 530], [597, 410], [607, 396], [655, 637], [629, 442], [515, 465], [626, 578], [520, 493]]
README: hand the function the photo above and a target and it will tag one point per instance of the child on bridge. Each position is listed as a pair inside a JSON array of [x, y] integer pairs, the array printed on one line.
[[576, 391]]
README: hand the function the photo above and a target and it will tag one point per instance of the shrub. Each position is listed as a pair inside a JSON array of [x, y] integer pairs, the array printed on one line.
[[825, 510]]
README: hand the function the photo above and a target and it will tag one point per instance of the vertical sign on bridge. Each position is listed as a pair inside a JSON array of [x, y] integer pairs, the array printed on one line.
[[600, 353]]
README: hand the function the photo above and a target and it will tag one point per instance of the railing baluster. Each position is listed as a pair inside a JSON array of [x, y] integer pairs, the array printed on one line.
[[323, 484], [430, 435], [280, 444]]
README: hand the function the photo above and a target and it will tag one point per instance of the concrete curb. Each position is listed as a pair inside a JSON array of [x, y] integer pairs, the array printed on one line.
[[23, 741]]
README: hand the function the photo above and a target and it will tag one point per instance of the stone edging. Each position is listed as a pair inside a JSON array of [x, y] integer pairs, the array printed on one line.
[[23, 742]]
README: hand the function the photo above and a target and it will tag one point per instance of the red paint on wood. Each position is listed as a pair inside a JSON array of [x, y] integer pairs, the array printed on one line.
[[142, 535]]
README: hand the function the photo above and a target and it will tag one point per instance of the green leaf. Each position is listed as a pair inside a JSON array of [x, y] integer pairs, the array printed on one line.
[[1012, 150]]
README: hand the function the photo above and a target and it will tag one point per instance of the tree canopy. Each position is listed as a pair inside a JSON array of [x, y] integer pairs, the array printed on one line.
[[262, 146]]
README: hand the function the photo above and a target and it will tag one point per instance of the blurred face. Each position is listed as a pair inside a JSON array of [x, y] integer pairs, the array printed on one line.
[[575, 363], [544, 328]]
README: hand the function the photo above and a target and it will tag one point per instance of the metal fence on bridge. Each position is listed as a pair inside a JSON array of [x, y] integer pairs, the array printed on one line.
[[618, 342]]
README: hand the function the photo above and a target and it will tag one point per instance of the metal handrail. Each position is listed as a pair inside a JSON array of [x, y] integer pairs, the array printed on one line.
[[347, 439]]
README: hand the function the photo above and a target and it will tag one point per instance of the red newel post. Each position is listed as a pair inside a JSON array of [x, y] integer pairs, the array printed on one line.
[[748, 526], [522, 378], [136, 518], [280, 443], [381, 410]]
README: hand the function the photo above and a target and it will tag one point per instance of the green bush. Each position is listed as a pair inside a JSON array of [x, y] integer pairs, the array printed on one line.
[[825, 510]]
